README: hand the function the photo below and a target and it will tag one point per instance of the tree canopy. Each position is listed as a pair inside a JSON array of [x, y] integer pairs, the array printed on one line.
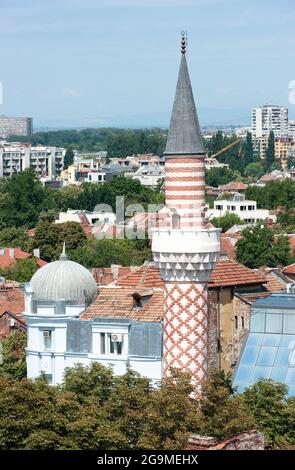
[[94, 409], [258, 247]]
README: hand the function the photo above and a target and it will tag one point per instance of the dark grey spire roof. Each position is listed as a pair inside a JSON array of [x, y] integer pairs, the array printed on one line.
[[184, 136]]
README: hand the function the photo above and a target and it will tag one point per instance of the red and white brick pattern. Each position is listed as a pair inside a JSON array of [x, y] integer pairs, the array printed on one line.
[[185, 189], [185, 329]]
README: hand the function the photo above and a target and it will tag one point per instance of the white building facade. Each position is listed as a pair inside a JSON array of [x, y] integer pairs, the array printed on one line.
[[58, 337], [243, 208], [15, 126], [47, 162], [269, 118]]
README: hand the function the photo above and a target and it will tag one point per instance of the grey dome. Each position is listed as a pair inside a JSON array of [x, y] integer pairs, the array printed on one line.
[[64, 280]]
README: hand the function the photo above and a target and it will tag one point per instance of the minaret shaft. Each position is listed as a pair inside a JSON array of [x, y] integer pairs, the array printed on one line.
[[187, 252]]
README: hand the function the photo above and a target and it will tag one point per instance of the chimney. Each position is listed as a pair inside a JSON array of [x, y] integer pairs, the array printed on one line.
[[36, 252], [115, 270], [11, 253]]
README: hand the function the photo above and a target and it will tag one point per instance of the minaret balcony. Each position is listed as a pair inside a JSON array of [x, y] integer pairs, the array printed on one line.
[[186, 255]]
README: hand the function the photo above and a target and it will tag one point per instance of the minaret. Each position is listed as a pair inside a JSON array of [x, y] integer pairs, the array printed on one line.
[[186, 251]]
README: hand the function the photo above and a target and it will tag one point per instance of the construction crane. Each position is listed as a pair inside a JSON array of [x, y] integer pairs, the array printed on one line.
[[226, 148]]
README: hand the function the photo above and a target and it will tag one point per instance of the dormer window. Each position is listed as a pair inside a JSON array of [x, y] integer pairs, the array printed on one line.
[[140, 300]]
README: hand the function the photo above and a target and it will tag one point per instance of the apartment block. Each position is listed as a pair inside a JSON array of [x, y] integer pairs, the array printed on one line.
[[15, 126], [48, 162], [269, 118]]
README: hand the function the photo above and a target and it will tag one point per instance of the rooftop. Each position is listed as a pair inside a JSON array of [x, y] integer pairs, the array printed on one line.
[[9, 256], [118, 302]]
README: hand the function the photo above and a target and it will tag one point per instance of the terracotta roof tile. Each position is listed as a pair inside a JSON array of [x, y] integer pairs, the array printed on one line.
[[225, 273], [11, 299], [118, 302], [289, 269], [7, 260]]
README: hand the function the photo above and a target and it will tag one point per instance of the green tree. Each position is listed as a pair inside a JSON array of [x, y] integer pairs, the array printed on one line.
[[103, 253], [13, 237], [249, 149], [270, 153], [218, 176], [69, 157], [22, 200], [13, 356], [226, 221], [280, 253], [254, 170], [254, 248], [21, 271], [171, 414], [49, 238], [266, 403]]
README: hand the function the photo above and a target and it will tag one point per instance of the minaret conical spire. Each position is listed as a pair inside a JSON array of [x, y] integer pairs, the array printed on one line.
[[184, 136]]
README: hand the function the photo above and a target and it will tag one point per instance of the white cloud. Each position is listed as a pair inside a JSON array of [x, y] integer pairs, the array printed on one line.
[[70, 92]]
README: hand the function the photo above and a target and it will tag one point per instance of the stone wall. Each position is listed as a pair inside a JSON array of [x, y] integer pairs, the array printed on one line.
[[248, 440], [213, 362]]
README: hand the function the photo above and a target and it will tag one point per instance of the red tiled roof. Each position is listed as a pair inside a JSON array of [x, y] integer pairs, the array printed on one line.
[[118, 302], [105, 276], [231, 273], [227, 246], [7, 260], [11, 299], [274, 283], [225, 273], [234, 186], [146, 276], [251, 297], [289, 269]]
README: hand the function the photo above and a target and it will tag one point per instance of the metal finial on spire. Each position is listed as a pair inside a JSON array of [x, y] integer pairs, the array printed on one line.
[[183, 42], [63, 256]]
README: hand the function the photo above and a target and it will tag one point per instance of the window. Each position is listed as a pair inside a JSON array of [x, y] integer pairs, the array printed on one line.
[[111, 344], [233, 208], [102, 343], [219, 207], [47, 340], [116, 344], [242, 323], [236, 322]]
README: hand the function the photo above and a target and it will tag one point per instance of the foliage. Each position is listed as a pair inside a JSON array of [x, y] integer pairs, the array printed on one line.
[[69, 157], [274, 194], [270, 152], [15, 237], [103, 253], [220, 175], [259, 248], [14, 358], [94, 409], [22, 200], [49, 238], [117, 142], [254, 170], [21, 271], [224, 414], [266, 403], [226, 221]]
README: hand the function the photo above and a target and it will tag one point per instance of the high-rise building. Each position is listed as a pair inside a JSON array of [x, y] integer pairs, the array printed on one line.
[[186, 251], [15, 126], [292, 130], [47, 162], [269, 118]]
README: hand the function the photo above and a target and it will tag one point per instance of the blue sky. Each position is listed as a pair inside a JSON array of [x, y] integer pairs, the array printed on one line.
[[115, 62]]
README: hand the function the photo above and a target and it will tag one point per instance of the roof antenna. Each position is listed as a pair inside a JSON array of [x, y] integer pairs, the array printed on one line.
[[183, 42], [63, 256]]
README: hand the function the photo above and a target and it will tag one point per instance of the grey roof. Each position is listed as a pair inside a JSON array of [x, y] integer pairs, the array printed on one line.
[[184, 136], [64, 280]]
